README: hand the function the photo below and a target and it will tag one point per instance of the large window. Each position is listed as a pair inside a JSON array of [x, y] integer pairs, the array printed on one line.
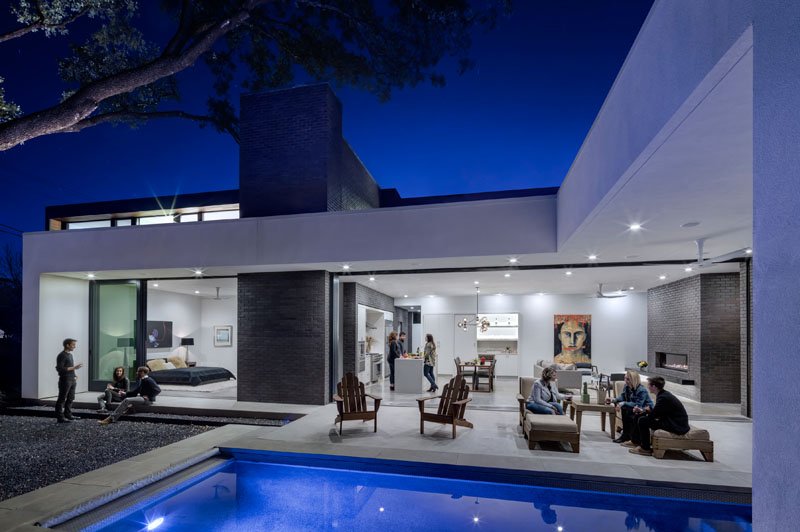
[[89, 225], [220, 215], [155, 220]]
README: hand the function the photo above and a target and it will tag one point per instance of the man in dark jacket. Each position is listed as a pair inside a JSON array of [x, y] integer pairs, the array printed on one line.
[[145, 388], [65, 366], [667, 414]]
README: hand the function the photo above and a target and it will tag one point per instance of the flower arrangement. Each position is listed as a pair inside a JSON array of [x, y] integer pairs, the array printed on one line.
[[642, 364]]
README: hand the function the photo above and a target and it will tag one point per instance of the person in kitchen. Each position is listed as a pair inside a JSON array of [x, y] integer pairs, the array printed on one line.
[[402, 339], [395, 352]]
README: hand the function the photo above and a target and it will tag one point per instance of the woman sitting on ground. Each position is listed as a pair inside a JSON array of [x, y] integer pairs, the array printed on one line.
[[113, 390], [633, 395], [544, 397]]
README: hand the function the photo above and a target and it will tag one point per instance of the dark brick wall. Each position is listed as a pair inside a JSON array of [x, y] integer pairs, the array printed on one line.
[[293, 158], [720, 338], [283, 338], [355, 294], [699, 317], [746, 334], [291, 141]]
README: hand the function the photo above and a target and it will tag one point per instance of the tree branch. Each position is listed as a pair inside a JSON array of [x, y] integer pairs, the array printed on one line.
[[119, 116], [86, 100], [182, 34], [41, 25]]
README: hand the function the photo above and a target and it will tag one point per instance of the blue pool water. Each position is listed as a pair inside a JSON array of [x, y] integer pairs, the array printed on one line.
[[256, 496]]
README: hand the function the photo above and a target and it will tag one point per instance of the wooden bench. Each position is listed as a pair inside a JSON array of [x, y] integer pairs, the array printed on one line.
[[696, 440], [543, 427]]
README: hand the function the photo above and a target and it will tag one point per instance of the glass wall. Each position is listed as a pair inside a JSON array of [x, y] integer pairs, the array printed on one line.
[[114, 306]]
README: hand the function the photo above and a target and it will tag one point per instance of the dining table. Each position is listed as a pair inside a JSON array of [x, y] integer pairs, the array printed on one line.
[[473, 367]]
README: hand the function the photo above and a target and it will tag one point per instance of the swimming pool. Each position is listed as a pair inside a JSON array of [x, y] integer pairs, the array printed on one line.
[[247, 495]]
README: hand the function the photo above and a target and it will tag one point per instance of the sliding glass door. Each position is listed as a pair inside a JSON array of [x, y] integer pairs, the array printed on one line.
[[115, 315]]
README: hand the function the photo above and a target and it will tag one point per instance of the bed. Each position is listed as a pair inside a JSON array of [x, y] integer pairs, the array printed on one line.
[[165, 371]]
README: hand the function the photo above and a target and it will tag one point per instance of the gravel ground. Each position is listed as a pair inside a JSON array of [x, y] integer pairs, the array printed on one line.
[[37, 451]]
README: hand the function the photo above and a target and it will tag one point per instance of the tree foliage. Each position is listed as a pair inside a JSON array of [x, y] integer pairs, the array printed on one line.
[[118, 71]]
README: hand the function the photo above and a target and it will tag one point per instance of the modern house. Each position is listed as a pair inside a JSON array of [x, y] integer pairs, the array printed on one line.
[[306, 250]]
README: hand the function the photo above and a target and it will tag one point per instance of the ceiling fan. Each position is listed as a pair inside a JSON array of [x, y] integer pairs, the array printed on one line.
[[219, 297], [600, 295], [707, 263]]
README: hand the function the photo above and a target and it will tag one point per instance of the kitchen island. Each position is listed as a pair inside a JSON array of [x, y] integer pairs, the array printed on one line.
[[408, 375]]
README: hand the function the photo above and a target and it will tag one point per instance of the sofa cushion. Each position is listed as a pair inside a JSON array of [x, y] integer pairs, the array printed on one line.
[[693, 434], [547, 423]]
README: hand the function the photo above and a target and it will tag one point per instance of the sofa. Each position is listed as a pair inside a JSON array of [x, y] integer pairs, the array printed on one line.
[[569, 380]]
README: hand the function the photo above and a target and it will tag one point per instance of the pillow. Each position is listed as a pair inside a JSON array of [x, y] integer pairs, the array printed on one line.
[[168, 365], [177, 361], [155, 364]]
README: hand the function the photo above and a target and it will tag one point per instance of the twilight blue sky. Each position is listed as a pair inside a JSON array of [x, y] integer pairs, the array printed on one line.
[[516, 120]]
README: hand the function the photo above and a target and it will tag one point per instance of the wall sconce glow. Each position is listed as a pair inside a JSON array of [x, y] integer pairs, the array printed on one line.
[[635, 227], [90, 276], [155, 523], [507, 275], [345, 266], [662, 277], [372, 279], [748, 251], [687, 269], [513, 260], [592, 257], [567, 273]]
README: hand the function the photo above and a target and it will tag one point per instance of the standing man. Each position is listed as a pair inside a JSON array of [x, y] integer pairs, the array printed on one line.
[[403, 350], [668, 414], [65, 366]]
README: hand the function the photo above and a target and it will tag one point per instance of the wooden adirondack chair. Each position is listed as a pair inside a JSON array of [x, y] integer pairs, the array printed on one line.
[[452, 404], [351, 401]]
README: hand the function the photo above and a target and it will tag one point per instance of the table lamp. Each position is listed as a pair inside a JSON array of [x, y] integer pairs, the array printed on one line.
[[187, 342]]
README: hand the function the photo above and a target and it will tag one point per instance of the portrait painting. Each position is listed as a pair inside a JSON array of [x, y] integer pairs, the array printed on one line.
[[573, 338]]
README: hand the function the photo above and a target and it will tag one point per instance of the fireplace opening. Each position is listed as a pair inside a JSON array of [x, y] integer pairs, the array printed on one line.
[[673, 361]]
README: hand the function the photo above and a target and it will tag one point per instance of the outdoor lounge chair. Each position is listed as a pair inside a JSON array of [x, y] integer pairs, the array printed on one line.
[[452, 404], [351, 402]]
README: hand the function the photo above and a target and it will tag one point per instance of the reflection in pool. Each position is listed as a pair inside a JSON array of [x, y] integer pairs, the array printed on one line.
[[245, 495]]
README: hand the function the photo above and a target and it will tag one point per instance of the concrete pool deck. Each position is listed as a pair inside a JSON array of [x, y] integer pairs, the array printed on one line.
[[495, 442]]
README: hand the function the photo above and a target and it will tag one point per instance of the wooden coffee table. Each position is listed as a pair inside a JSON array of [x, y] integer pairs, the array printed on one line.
[[577, 408]]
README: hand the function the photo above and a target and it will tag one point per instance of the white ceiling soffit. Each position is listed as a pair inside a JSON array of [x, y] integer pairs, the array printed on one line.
[[701, 173]]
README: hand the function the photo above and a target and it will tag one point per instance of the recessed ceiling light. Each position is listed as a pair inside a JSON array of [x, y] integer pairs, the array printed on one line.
[[499, 294], [690, 224], [513, 260], [405, 295], [197, 291], [371, 278], [540, 294], [592, 257], [687, 269], [662, 277], [380, 509], [198, 271], [90, 276], [476, 282], [631, 288], [412, 308], [478, 290], [632, 256], [567, 273], [155, 285], [507, 275], [635, 227], [475, 519], [748, 251], [345, 266], [431, 295]]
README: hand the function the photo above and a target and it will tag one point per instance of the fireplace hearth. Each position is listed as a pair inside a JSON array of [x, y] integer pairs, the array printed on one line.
[[672, 361]]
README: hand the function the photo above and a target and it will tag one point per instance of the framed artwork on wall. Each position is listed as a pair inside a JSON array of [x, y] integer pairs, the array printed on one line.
[[572, 338], [223, 335]]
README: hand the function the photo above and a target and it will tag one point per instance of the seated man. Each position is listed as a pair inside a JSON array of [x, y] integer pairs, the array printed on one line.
[[146, 388], [668, 414]]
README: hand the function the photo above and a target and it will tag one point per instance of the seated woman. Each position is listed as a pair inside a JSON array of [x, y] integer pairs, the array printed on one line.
[[544, 397], [113, 390], [633, 395]]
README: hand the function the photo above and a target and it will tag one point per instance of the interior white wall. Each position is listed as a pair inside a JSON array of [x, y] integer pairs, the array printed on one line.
[[619, 326], [213, 312], [184, 313], [63, 313]]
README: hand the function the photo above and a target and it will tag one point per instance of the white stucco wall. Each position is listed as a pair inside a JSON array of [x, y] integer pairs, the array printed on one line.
[[619, 326], [64, 314], [184, 313], [213, 313]]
